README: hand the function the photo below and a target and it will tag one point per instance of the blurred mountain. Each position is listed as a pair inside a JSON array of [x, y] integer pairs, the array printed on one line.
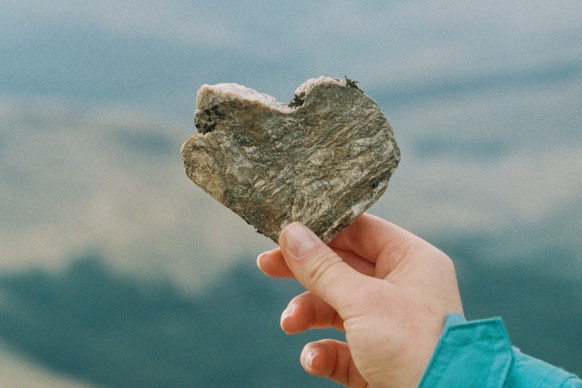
[[114, 331], [99, 326]]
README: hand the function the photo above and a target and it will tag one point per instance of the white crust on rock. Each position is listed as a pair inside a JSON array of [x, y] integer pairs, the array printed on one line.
[[210, 95]]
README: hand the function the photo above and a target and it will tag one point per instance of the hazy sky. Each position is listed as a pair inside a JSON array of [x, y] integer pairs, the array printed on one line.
[[157, 54]]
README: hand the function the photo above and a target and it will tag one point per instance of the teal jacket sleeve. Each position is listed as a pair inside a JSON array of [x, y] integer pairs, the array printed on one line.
[[479, 354]]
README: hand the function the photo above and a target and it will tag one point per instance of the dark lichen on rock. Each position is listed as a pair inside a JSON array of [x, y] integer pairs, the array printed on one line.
[[322, 160], [352, 84], [296, 102]]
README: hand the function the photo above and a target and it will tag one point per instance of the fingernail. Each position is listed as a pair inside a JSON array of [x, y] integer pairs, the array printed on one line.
[[286, 313], [308, 358], [298, 239]]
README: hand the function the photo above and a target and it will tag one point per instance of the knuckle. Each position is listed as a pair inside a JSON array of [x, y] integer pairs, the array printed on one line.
[[322, 269]]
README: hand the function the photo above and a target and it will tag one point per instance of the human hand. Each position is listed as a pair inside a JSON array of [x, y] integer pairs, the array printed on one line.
[[387, 288]]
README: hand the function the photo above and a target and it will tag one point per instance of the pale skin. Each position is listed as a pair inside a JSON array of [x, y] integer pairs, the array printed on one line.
[[388, 289]]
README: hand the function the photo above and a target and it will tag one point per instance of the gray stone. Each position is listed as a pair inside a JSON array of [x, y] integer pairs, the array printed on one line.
[[322, 160]]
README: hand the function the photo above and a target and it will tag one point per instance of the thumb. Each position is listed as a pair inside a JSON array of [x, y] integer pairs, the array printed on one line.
[[318, 268]]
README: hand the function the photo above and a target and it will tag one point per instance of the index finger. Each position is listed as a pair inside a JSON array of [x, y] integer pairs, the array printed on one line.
[[371, 237], [272, 263]]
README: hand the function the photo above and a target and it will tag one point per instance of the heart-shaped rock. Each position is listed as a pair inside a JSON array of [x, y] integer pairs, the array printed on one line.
[[321, 160]]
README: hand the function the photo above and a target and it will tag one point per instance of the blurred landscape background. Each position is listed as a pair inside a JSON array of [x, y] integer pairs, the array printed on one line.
[[117, 271]]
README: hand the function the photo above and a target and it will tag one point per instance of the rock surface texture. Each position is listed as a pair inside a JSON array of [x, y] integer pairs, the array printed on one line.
[[321, 160]]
